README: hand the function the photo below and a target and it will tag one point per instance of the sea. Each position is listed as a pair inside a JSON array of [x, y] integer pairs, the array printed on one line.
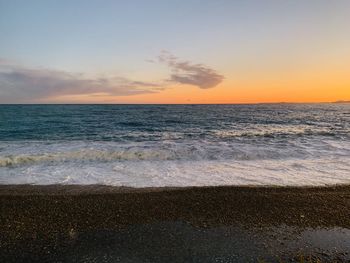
[[175, 145]]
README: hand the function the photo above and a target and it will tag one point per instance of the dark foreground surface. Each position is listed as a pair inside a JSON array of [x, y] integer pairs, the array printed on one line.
[[213, 224]]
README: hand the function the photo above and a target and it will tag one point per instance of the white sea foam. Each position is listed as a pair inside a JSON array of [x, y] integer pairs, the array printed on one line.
[[183, 163], [182, 173]]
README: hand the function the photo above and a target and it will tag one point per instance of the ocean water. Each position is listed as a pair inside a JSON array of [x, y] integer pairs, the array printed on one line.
[[175, 145]]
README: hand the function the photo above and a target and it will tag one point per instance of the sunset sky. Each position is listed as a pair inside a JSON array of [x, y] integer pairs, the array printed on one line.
[[174, 51]]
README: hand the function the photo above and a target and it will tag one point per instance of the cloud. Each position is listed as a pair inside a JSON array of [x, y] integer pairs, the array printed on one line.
[[184, 72], [19, 84]]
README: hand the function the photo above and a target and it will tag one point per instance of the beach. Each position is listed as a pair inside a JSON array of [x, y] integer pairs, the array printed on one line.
[[175, 131], [47, 222], [175, 183]]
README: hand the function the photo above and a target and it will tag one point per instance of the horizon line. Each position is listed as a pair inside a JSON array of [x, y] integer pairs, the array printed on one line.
[[233, 103]]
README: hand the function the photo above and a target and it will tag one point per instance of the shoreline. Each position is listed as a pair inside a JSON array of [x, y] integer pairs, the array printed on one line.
[[90, 189], [244, 205]]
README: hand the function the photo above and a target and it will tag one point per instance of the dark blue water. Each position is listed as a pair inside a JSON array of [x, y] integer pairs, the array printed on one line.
[[148, 122], [158, 145]]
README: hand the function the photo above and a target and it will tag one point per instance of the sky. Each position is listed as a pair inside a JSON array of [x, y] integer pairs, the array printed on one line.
[[168, 51]]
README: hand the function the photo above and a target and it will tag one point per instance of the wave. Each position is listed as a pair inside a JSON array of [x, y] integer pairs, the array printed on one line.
[[300, 172], [83, 155], [106, 156], [191, 153], [17, 154], [186, 163], [276, 133]]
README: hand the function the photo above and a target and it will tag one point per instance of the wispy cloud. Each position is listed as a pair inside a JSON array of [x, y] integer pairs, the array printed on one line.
[[19, 84], [185, 72]]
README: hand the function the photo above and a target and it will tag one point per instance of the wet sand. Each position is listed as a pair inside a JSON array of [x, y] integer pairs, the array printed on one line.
[[67, 223]]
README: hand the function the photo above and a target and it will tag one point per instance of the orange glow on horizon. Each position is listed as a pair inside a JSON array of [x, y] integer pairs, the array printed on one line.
[[305, 87], [325, 80], [224, 94]]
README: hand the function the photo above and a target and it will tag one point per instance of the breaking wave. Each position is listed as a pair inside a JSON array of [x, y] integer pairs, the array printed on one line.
[[185, 153], [18, 154], [175, 145]]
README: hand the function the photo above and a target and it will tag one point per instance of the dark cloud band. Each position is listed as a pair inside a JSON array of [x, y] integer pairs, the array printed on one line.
[[20, 84]]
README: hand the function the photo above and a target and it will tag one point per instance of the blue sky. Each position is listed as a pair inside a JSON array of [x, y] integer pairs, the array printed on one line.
[[108, 38]]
